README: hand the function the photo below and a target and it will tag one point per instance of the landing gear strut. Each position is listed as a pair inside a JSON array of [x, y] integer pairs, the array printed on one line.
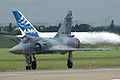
[[30, 64], [34, 65], [28, 61], [69, 61]]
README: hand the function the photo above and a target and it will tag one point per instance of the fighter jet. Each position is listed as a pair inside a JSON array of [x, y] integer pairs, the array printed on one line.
[[31, 44]]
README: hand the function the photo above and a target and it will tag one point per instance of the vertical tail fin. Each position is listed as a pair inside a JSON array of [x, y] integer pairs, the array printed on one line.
[[65, 29], [25, 26]]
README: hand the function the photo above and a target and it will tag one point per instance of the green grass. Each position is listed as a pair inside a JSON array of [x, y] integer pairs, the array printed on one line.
[[83, 59], [5, 41]]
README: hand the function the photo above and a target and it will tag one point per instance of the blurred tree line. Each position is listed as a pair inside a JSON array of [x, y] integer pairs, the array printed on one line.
[[82, 28], [13, 29], [9, 30]]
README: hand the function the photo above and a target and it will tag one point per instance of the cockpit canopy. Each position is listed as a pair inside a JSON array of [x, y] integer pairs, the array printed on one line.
[[28, 39]]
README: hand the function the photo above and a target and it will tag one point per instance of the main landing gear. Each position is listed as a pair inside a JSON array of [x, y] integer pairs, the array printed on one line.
[[69, 61], [30, 64]]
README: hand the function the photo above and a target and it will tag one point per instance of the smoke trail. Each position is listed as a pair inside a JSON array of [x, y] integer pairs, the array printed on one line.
[[94, 38]]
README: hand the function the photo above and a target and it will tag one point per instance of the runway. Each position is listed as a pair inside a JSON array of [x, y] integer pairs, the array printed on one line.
[[63, 74]]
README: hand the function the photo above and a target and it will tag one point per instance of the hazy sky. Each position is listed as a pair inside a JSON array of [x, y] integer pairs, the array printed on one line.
[[96, 12]]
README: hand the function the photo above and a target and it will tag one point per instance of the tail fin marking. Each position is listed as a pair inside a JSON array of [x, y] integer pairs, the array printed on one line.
[[25, 25]]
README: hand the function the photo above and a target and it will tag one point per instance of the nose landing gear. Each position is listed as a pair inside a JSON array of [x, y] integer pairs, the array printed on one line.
[[30, 64]]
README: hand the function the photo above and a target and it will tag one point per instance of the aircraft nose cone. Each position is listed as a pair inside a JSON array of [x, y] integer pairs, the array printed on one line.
[[17, 49]]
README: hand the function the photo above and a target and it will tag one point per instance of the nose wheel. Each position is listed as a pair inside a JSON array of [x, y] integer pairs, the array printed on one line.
[[30, 64], [28, 67]]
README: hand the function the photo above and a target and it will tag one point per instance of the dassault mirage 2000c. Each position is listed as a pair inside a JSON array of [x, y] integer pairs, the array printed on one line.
[[31, 44]]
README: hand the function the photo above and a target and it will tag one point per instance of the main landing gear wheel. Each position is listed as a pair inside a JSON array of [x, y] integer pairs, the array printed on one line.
[[69, 64], [69, 61]]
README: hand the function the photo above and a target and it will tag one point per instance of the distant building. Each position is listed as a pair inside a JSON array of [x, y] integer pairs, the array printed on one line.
[[112, 26], [10, 28]]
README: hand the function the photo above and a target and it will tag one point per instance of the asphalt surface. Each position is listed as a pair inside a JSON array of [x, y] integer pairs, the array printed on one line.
[[63, 74]]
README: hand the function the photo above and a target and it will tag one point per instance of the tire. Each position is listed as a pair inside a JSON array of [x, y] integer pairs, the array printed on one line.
[[27, 68], [34, 65], [69, 64]]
